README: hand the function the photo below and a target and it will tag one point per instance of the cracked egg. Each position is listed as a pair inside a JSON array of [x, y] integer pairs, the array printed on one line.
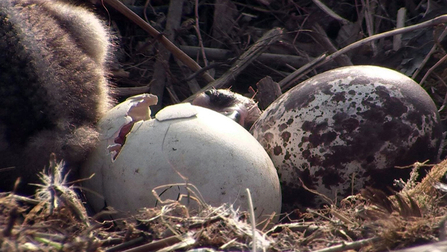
[[345, 129], [185, 150]]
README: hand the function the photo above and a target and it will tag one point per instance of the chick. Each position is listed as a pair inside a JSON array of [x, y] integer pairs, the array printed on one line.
[[53, 85], [239, 108]]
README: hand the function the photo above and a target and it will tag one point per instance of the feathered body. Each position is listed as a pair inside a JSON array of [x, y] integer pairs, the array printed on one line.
[[53, 87]]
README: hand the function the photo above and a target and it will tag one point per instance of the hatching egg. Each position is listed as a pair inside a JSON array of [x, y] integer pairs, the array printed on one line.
[[186, 153]]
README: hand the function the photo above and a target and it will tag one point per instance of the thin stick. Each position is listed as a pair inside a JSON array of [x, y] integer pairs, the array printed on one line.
[[159, 37], [293, 77], [197, 28], [243, 61], [433, 68], [400, 22], [428, 56], [349, 245], [330, 12], [252, 219], [432, 22]]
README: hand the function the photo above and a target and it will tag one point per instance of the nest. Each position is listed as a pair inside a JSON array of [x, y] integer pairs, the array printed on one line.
[[242, 42], [56, 220]]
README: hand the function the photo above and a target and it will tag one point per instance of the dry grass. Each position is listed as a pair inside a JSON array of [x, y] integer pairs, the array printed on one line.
[[370, 221]]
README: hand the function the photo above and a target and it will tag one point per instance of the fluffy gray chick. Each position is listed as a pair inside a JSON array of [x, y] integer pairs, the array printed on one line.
[[53, 87]]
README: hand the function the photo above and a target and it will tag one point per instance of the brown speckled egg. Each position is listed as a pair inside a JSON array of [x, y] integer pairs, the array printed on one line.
[[347, 128]]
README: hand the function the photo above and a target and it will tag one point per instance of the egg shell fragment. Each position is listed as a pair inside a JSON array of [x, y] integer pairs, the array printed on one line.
[[348, 126], [184, 143]]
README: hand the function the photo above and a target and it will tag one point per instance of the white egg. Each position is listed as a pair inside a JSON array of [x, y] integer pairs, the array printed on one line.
[[184, 146]]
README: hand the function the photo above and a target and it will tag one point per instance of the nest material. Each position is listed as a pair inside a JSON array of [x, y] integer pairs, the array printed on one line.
[[371, 221], [57, 221]]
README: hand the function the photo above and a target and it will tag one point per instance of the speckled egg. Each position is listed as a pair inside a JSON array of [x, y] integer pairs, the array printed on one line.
[[347, 128]]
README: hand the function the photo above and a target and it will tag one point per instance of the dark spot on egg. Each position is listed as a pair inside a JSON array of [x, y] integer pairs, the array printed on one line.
[[282, 126], [268, 137], [350, 124], [339, 97], [307, 125], [277, 150], [285, 136]]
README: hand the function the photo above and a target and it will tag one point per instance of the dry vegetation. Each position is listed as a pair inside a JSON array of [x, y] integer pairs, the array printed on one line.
[[242, 45], [56, 220]]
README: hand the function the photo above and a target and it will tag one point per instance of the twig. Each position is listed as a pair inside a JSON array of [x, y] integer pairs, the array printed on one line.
[[349, 245], [56, 245], [400, 21], [341, 217], [11, 220], [197, 28], [127, 244], [267, 58], [444, 102], [185, 72], [130, 91], [160, 244], [368, 15], [160, 37], [436, 21], [291, 78], [442, 233], [252, 219], [25, 199], [331, 13], [320, 215], [243, 61], [326, 198], [425, 187], [228, 243], [432, 247], [427, 57], [322, 38], [433, 68], [161, 78], [209, 66]]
